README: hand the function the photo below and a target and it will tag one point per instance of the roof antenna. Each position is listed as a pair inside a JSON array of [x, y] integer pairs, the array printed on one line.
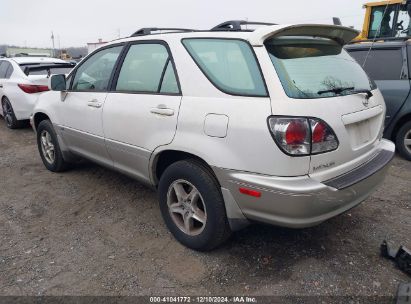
[[375, 36]]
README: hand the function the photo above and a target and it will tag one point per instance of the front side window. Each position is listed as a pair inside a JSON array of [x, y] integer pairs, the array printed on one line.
[[147, 68], [229, 64], [94, 74], [315, 68]]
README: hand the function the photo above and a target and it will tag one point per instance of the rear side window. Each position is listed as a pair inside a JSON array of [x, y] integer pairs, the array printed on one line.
[[147, 68], [229, 64], [381, 64], [94, 73], [3, 69], [169, 84]]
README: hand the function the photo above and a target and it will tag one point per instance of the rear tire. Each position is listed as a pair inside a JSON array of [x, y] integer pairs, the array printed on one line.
[[403, 141], [192, 205], [9, 116], [49, 148]]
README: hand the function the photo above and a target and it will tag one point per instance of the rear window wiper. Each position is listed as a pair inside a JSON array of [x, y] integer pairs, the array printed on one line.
[[352, 89], [336, 90]]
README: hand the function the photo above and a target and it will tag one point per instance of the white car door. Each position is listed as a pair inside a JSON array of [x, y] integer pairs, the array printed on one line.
[[83, 105], [141, 112]]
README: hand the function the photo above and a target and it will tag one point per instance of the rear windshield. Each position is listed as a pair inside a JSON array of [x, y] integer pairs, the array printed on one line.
[[37, 69], [316, 68]]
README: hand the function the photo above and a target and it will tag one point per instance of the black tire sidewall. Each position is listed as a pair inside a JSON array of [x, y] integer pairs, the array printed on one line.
[[59, 163], [216, 229], [15, 123], [400, 141]]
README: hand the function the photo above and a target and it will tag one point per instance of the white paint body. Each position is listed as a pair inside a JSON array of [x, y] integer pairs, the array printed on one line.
[[22, 102], [229, 133]]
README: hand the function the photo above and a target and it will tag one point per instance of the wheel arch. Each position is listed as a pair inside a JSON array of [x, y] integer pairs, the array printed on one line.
[[403, 120], [164, 158], [38, 117]]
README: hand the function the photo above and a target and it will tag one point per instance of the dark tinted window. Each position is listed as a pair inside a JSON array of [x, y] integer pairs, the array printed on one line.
[[3, 68], [381, 64], [9, 71]]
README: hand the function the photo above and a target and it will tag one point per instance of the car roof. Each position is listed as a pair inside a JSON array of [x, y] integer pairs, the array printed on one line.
[[36, 60], [259, 35]]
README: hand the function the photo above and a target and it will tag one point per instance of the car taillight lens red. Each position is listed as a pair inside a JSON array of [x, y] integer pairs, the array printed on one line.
[[295, 133], [319, 131], [299, 136], [32, 88]]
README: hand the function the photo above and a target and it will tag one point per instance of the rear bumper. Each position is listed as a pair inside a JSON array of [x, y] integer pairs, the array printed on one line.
[[23, 105], [299, 202]]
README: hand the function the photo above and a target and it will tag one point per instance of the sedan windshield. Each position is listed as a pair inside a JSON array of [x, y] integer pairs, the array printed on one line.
[[316, 68]]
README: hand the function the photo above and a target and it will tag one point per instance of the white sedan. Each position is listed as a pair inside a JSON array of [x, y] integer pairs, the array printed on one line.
[[22, 79]]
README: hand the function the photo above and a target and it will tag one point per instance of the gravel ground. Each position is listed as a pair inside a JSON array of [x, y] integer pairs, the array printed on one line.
[[91, 231]]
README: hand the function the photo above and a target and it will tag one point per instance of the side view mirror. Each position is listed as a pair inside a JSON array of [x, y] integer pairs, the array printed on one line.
[[57, 83]]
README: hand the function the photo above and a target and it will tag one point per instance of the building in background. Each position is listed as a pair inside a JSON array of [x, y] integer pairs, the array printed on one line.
[[91, 46], [33, 52]]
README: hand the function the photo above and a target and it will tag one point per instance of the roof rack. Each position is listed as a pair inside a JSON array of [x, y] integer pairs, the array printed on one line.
[[149, 30], [235, 25]]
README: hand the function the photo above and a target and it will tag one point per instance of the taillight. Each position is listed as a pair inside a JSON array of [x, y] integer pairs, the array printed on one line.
[[323, 137], [291, 134], [32, 88], [298, 136]]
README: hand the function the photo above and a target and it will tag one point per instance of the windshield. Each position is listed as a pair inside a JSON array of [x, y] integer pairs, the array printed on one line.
[[46, 69], [316, 68]]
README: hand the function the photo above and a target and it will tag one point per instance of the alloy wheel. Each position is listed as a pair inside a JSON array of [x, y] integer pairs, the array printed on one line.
[[186, 207], [8, 113], [47, 147], [407, 141]]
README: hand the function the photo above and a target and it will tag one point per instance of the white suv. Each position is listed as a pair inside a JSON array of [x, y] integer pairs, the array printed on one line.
[[276, 125]]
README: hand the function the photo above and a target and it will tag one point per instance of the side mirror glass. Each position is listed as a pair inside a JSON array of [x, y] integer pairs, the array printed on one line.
[[57, 83]]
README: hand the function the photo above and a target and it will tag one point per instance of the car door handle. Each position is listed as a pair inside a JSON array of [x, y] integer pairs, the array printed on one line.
[[162, 110], [94, 103], [1, 86]]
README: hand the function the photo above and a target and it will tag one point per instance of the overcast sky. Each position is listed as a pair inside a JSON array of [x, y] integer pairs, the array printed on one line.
[[76, 22]]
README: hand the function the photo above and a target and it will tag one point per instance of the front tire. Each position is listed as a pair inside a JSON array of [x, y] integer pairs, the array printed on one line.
[[9, 116], [403, 141], [49, 148], [192, 205]]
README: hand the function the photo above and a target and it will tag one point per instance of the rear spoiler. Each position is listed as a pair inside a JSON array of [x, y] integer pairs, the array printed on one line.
[[48, 67], [341, 34]]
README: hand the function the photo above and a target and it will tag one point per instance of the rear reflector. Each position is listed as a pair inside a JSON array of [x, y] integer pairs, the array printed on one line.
[[32, 88], [250, 192]]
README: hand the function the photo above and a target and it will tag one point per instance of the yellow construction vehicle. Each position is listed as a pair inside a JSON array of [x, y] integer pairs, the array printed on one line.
[[388, 19]]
